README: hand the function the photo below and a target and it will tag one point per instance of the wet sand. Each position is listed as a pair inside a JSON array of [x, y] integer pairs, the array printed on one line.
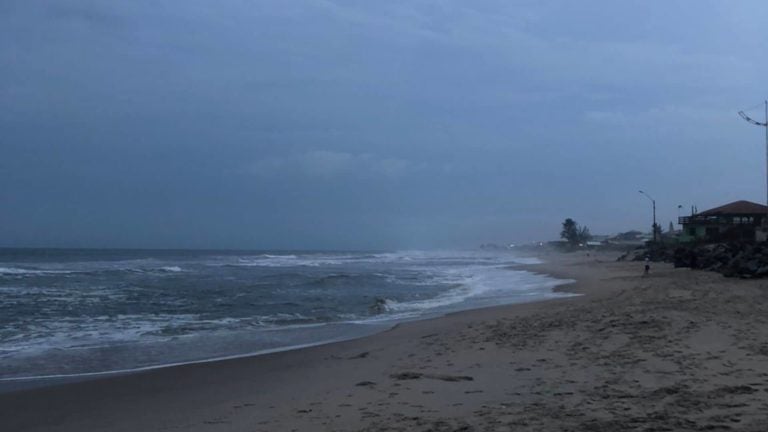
[[676, 350]]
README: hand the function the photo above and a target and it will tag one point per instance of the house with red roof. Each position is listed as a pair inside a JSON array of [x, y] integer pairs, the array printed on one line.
[[736, 221]]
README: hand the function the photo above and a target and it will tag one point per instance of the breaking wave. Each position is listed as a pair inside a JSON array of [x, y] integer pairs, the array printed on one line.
[[121, 309]]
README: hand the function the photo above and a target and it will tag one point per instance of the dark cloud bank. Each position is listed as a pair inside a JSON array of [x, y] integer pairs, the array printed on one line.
[[373, 125]]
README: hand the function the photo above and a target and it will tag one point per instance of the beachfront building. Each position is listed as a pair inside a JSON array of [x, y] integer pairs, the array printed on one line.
[[736, 221]]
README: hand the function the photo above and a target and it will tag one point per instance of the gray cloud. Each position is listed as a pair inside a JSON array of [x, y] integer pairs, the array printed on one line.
[[326, 164], [343, 124]]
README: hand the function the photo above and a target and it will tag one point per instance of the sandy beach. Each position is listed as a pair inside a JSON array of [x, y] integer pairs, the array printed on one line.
[[676, 350]]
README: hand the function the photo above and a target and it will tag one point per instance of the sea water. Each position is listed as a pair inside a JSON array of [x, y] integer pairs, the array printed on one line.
[[80, 312]]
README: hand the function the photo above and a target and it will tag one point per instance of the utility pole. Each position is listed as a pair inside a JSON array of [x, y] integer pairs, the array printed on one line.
[[653, 201], [765, 125]]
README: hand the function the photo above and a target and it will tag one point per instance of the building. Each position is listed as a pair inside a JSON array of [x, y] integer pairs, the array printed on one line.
[[737, 221]]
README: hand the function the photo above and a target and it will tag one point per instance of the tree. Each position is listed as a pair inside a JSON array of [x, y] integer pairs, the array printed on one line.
[[573, 233], [570, 231], [584, 234]]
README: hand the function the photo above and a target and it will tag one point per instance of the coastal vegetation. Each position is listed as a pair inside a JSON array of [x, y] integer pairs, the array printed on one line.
[[573, 233]]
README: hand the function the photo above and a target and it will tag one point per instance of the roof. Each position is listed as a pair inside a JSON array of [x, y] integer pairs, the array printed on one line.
[[736, 208]]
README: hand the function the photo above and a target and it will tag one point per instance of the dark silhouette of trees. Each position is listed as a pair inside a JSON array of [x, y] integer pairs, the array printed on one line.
[[573, 233]]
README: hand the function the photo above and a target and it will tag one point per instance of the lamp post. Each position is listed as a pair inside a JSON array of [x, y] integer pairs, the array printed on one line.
[[653, 201], [765, 125]]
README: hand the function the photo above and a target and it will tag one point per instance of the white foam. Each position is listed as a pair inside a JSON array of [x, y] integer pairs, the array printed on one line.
[[526, 260], [278, 317], [100, 331], [401, 257], [43, 269], [173, 269], [287, 261], [472, 286], [464, 279], [97, 331], [23, 271]]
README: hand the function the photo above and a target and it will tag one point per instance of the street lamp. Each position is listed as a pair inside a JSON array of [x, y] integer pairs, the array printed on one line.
[[653, 201], [765, 125]]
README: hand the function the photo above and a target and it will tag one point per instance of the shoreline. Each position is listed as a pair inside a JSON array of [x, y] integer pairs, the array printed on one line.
[[13, 384], [63, 383], [676, 348]]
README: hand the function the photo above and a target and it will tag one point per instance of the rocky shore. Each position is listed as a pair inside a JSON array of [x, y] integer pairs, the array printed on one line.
[[744, 260]]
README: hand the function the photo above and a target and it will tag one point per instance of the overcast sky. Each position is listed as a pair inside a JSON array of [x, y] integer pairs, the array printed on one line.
[[328, 124]]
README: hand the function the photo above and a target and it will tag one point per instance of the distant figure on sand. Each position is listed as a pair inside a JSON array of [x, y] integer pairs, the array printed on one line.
[[647, 266]]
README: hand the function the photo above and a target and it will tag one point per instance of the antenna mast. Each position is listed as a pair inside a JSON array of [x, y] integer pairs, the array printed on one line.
[[765, 125]]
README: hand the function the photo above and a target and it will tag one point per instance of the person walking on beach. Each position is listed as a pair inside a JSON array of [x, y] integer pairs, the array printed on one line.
[[647, 266]]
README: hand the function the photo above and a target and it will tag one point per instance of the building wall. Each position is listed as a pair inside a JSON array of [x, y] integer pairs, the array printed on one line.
[[697, 232], [693, 232]]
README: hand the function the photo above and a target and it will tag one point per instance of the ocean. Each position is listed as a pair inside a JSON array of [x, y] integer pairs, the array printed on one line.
[[67, 313]]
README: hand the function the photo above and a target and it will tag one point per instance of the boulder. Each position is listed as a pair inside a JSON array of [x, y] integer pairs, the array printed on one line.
[[744, 260]]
